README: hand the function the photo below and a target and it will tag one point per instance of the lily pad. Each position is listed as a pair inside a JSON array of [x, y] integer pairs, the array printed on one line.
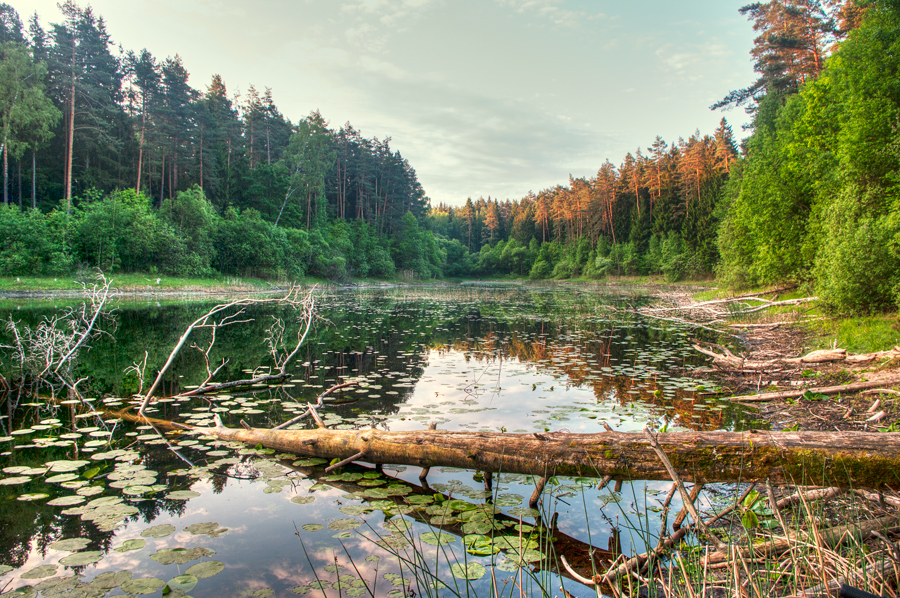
[[313, 527], [182, 495], [70, 544], [185, 583], [111, 579], [66, 501], [33, 496], [438, 538], [159, 531], [303, 500], [344, 524], [129, 545], [470, 571], [40, 572], [4, 569], [15, 481], [263, 593], [143, 585], [82, 558], [206, 569], [181, 556], [206, 529]]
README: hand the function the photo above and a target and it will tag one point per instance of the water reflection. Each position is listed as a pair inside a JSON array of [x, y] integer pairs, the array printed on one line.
[[511, 360]]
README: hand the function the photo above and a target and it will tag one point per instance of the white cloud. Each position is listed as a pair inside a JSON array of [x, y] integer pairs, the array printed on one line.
[[550, 10]]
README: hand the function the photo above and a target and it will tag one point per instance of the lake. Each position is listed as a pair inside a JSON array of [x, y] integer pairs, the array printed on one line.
[[94, 505]]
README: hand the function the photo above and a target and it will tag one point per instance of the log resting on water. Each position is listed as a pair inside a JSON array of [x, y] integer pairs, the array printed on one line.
[[845, 459]]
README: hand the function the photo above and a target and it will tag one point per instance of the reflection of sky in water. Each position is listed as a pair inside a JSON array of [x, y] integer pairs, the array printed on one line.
[[460, 393]]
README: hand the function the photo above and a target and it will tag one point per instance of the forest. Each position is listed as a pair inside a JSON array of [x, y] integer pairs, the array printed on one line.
[[113, 160]]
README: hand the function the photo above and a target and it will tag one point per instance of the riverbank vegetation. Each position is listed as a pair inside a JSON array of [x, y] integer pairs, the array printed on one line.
[[116, 161]]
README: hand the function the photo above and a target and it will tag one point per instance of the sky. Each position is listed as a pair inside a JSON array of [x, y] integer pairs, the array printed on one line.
[[483, 97]]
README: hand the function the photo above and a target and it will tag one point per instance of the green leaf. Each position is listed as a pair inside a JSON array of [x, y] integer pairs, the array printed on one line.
[[749, 520], [751, 499]]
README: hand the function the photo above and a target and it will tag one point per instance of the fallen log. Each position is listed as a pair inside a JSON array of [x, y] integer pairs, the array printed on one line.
[[822, 390], [728, 360], [830, 537], [857, 459]]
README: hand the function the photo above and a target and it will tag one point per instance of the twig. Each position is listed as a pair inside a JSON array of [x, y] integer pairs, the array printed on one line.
[[688, 504], [319, 403], [351, 459]]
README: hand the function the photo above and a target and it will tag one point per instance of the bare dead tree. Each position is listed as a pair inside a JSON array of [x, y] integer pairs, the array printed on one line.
[[231, 313], [48, 352]]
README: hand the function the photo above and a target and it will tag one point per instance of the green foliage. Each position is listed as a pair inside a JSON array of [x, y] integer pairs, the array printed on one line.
[[29, 245], [818, 194]]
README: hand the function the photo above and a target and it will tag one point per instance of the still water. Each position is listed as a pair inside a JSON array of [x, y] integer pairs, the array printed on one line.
[[94, 505]]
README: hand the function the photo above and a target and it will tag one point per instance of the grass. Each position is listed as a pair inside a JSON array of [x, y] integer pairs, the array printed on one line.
[[855, 333], [142, 282]]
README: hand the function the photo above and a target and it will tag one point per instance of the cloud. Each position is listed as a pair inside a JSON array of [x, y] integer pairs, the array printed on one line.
[[550, 10]]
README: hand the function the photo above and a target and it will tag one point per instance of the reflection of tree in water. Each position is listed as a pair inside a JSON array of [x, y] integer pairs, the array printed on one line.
[[31, 525]]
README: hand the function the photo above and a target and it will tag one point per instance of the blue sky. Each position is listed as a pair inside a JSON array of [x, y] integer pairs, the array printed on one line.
[[483, 97]]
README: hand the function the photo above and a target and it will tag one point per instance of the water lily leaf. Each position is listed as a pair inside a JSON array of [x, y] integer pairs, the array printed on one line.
[[32, 497], [40, 572], [180, 556], [355, 510], [143, 585], [509, 500], [66, 465], [206, 529], [82, 558], [70, 544], [470, 571], [313, 527], [129, 545], [185, 583], [206, 569], [344, 524], [524, 512], [438, 538], [420, 499], [159, 531], [14, 481], [4, 569], [111, 579], [397, 525], [90, 473], [458, 505], [66, 501], [61, 477], [263, 593], [182, 495]]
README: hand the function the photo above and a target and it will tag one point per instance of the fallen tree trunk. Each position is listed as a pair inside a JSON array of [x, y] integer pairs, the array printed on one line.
[[728, 360], [857, 459], [822, 390]]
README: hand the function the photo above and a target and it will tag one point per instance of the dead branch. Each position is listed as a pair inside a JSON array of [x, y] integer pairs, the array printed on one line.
[[822, 390], [831, 537], [231, 311]]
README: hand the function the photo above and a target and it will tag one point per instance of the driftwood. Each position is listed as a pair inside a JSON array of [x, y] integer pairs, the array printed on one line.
[[228, 314], [725, 359], [857, 459], [831, 536], [822, 390]]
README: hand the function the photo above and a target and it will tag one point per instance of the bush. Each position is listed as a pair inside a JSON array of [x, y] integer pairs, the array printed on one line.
[[858, 268]]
